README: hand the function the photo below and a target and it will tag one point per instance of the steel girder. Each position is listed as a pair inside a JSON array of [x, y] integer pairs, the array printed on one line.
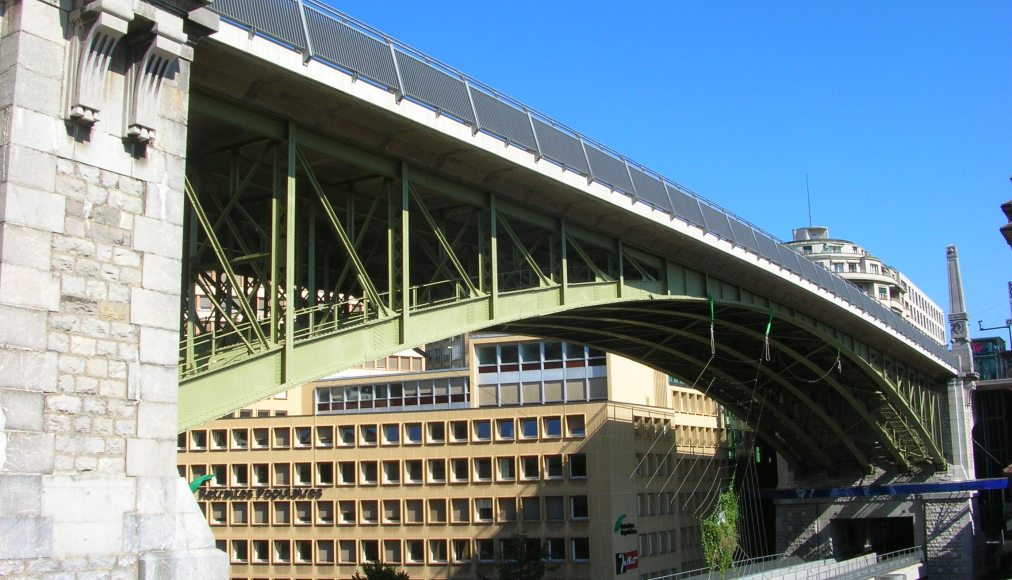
[[305, 256]]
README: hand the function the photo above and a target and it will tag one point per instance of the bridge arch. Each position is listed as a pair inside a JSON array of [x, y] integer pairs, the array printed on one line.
[[306, 255]]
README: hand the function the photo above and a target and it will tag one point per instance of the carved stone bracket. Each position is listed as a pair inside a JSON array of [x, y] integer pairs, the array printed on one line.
[[146, 74], [99, 27]]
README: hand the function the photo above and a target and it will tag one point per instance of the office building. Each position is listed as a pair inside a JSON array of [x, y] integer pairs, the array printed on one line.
[[429, 464]]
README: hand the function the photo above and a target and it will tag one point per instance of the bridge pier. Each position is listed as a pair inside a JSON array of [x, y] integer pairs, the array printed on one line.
[[93, 97], [943, 523]]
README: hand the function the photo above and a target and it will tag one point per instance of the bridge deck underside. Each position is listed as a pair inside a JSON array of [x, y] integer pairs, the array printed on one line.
[[305, 256]]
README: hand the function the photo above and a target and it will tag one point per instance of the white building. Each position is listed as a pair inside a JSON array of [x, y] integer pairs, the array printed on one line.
[[875, 278]]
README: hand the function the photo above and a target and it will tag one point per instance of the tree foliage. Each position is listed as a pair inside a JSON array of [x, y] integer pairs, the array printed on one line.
[[720, 532], [523, 559], [377, 571]]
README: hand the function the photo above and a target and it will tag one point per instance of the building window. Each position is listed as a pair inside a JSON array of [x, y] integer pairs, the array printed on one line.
[[391, 472], [437, 471], [437, 551], [346, 473], [483, 509], [505, 429], [576, 426], [368, 435], [578, 507], [415, 551], [303, 437], [392, 551], [459, 472], [198, 440], [303, 474], [483, 469], [261, 513], [261, 474], [553, 427], [529, 467], [485, 550], [507, 468], [459, 511], [483, 430], [437, 511], [437, 432], [555, 549], [581, 549], [261, 551], [282, 437], [325, 513], [555, 508], [369, 512], [346, 435], [458, 431], [261, 438], [578, 466], [303, 513], [391, 434], [530, 508], [240, 551], [346, 509], [391, 511], [303, 551], [413, 511], [507, 509], [325, 473], [324, 436], [553, 466], [413, 433], [413, 471], [368, 473], [461, 550], [528, 428], [346, 551], [325, 551], [282, 513]]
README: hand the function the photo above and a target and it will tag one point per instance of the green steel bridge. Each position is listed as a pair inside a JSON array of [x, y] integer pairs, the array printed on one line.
[[341, 207]]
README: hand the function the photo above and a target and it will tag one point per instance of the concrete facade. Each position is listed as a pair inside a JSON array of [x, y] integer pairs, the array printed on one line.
[[93, 98]]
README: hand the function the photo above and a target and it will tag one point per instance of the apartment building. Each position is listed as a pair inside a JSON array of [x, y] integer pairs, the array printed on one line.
[[874, 277], [607, 464]]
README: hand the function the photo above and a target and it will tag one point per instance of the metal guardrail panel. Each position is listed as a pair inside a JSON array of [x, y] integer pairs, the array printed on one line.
[[561, 147], [744, 235], [339, 43], [434, 87], [650, 189], [716, 222], [768, 248], [503, 120], [608, 169], [686, 207], [791, 260], [278, 19]]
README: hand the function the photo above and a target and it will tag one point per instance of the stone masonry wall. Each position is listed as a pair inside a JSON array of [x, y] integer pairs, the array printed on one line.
[[90, 243]]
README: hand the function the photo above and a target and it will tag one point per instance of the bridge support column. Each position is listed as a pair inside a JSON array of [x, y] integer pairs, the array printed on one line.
[[93, 99], [951, 547]]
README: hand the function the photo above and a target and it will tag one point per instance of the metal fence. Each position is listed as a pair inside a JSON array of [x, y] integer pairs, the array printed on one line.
[[783, 566], [326, 35]]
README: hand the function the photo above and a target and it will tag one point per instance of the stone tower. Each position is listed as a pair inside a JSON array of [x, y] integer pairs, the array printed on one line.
[[93, 96]]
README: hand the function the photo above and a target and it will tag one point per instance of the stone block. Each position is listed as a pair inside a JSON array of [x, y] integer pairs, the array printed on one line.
[[28, 287], [87, 499], [104, 150], [202, 564], [159, 384], [157, 495], [28, 452], [149, 457], [37, 18], [38, 131], [33, 371], [161, 274], [31, 168], [156, 420], [25, 538], [158, 237], [154, 309], [164, 203], [23, 327], [32, 206], [20, 495], [25, 246], [22, 409], [147, 533], [160, 347], [87, 538], [38, 92]]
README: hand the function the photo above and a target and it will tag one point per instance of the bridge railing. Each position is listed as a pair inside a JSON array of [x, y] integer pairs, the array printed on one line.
[[785, 566], [329, 36]]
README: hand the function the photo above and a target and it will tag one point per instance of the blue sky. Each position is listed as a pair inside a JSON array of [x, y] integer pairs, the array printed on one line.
[[900, 113]]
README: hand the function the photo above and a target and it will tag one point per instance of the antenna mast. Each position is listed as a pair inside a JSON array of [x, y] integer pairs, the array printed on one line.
[[809, 193]]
